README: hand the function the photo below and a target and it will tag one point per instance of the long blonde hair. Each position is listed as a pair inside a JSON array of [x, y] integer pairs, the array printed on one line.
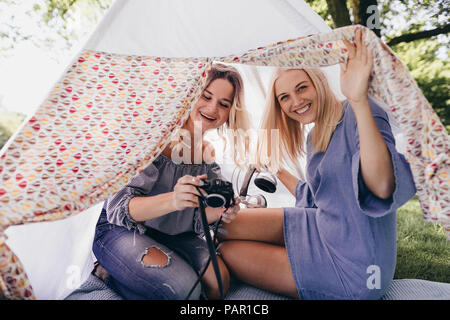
[[291, 144], [238, 121]]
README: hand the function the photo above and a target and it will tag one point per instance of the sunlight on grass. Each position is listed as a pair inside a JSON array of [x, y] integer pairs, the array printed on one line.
[[423, 251]]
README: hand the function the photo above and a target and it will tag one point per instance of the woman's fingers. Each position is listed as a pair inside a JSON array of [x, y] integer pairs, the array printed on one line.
[[190, 204], [187, 179], [186, 193], [363, 47], [358, 51], [188, 189], [359, 44], [185, 200], [351, 49], [231, 213], [189, 183], [370, 58]]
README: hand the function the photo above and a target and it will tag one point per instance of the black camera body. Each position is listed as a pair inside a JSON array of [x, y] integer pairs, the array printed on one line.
[[220, 193]]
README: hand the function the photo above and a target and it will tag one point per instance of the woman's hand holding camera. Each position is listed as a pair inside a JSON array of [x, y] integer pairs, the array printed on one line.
[[185, 194], [231, 212]]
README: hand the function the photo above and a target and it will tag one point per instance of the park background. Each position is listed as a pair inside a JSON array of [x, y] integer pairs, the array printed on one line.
[[38, 39]]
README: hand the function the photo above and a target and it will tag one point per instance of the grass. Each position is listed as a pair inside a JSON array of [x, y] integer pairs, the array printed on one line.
[[423, 251]]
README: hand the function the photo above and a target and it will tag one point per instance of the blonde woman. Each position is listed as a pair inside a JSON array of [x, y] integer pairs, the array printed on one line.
[[339, 241], [148, 235]]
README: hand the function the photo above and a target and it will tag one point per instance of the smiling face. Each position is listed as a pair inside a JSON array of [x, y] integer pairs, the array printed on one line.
[[213, 107], [297, 96]]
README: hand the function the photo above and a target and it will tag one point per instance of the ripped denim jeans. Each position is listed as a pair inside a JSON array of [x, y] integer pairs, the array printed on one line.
[[125, 254]]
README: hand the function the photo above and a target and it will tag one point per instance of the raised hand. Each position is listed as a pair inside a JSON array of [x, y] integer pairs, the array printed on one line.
[[355, 74]]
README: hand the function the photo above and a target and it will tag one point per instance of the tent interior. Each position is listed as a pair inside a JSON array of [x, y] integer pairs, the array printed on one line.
[[57, 256]]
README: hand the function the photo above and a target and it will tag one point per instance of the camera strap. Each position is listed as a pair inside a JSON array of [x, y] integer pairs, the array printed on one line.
[[211, 247]]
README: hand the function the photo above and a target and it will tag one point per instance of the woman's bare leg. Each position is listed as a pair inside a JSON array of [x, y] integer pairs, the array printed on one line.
[[209, 280], [256, 224], [254, 250], [260, 264]]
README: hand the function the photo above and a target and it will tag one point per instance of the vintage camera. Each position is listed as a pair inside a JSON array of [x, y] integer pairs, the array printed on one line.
[[264, 180], [220, 193]]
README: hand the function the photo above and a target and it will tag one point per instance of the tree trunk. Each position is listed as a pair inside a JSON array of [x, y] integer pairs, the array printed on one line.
[[339, 12], [365, 12]]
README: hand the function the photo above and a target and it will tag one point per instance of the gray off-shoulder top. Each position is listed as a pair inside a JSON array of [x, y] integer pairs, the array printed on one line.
[[159, 177]]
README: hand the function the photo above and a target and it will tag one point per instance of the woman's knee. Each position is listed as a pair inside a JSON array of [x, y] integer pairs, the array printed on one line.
[[227, 247], [168, 276], [211, 283], [154, 257], [147, 268]]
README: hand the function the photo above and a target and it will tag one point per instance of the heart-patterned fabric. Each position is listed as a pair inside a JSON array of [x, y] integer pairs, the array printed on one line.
[[111, 115]]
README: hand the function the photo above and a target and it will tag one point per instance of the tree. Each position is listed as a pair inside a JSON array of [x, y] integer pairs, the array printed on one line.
[[364, 13], [424, 19], [4, 135], [339, 12], [397, 22], [48, 22], [416, 32], [431, 73], [9, 122]]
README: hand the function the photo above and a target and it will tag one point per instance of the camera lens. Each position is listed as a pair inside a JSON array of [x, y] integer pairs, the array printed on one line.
[[215, 200], [258, 201], [265, 184]]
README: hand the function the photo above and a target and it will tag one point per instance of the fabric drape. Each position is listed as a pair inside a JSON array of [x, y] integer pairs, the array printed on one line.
[[110, 116]]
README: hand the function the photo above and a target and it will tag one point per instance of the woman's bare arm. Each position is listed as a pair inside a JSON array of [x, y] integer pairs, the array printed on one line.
[[288, 180], [147, 208], [376, 163]]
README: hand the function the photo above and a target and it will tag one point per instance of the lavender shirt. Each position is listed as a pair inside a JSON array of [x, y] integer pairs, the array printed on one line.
[[340, 238], [159, 177]]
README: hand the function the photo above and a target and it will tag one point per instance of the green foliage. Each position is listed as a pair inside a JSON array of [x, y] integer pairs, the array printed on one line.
[[48, 22], [321, 8], [56, 9], [397, 18], [4, 135], [66, 13], [9, 122], [431, 73], [423, 251], [407, 16]]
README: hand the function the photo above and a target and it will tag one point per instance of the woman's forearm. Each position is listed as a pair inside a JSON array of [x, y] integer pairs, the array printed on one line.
[[376, 163], [146, 208], [288, 180]]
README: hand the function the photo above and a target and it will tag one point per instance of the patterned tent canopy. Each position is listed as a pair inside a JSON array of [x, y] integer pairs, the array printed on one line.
[[112, 112]]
